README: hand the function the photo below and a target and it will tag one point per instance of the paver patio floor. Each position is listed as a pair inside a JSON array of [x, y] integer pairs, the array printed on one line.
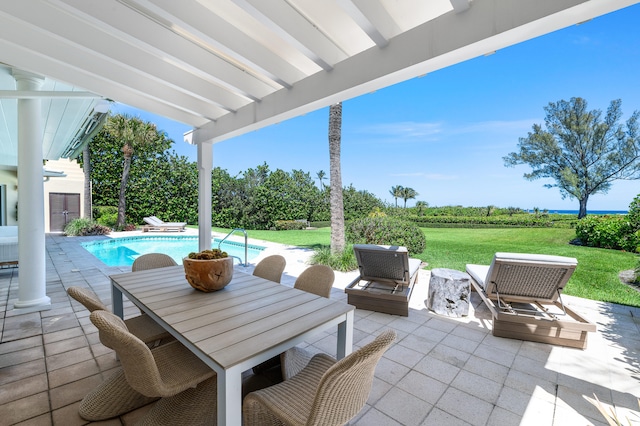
[[439, 371]]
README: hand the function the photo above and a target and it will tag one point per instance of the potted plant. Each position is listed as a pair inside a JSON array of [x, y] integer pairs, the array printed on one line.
[[208, 270]]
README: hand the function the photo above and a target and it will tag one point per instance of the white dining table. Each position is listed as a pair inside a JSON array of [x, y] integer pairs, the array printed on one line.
[[233, 329]]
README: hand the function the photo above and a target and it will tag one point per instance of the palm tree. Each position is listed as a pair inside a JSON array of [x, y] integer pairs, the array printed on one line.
[[335, 179], [321, 176], [420, 205], [396, 192], [132, 132], [408, 194]]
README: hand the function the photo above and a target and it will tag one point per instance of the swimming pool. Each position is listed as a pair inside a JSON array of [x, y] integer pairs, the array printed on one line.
[[123, 251]]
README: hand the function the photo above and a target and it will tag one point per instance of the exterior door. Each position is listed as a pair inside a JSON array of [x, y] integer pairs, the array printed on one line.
[[63, 208]]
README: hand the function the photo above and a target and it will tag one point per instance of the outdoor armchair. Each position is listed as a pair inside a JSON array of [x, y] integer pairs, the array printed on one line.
[[325, 392]]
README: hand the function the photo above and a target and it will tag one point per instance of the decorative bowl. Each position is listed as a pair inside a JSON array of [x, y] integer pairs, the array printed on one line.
[[208, 274]]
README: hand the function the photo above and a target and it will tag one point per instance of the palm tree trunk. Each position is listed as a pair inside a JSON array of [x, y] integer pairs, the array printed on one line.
[[86, 169], [335, 179], [128, 152]]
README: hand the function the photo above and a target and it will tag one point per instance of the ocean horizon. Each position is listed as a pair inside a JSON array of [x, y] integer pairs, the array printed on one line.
[[588, 211]]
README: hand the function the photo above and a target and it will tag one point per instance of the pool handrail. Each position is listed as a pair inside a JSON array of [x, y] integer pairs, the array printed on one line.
[[245, 243]]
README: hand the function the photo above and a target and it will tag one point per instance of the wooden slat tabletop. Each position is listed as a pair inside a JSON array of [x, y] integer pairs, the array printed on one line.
[[247, 317]]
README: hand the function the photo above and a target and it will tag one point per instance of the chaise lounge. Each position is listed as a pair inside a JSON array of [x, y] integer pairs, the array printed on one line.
[[386, 281], [523, 293], [155, 224], [8, 245]]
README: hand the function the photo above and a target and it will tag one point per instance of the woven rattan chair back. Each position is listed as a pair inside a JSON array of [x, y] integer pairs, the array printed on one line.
[[383, 263], [87, 297], [135, 356], [270, 268], [163, 371], [345, 387], [324, 393], [152, 261], [316, 279]]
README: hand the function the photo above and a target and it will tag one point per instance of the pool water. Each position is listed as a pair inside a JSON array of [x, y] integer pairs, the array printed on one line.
[[123, 251]]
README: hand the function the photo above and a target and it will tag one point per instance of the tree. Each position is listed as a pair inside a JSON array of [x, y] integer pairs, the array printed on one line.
[[421, 205], [396, 192], [408, 194], [133, 134], [335, 179], [321, 176], [579, 150]]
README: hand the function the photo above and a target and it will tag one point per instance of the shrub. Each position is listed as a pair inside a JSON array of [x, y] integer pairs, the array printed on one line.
[[82, 227], [286, 225], [320, 224], [386, 231], [108, 219], [344, 262], [610, 232]]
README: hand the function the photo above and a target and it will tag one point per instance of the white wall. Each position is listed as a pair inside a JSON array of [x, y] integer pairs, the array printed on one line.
[[73, 183]]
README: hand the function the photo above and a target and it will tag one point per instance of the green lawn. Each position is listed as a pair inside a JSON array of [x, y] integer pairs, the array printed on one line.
[[596, 276]]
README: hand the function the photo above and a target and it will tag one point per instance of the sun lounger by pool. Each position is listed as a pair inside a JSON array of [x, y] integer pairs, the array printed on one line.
[[155, 224], [522, 291]]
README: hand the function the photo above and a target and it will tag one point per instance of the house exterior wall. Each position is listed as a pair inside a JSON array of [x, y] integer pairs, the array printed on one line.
[[73, 183]]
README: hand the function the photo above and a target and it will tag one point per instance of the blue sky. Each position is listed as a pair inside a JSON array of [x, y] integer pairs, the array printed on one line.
[[445, 134]]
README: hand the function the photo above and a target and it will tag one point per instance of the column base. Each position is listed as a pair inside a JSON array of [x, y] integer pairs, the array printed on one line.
[[41, 304]]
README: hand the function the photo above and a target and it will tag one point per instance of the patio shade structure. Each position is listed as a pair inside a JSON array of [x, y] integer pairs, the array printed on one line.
[[227, 67]]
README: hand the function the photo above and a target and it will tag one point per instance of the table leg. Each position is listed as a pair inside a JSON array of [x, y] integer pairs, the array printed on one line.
[[116, 301], [230, 397], [345, 336]]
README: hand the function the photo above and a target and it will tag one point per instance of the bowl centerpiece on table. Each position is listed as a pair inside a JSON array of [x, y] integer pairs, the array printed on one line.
[[208, 270]]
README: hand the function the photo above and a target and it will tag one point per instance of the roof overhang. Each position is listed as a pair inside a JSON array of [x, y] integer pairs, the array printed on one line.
[[227, 67], [70, 117]]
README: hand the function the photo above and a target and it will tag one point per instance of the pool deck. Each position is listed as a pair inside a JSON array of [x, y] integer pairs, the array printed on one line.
[[440, 370]]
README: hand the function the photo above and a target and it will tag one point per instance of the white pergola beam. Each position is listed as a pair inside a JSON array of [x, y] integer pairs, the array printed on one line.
[[488, 26]]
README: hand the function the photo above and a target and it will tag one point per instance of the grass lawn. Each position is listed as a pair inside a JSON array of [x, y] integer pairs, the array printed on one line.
[[596, 276]]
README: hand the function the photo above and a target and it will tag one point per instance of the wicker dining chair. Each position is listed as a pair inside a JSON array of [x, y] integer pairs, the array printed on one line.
[[142, 326], [152, 261], [325, 392], [165, 372], [270, 268], [316, 279]]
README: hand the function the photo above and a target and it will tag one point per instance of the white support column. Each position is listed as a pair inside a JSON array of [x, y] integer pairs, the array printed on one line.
[[205, 165], [31, 239]]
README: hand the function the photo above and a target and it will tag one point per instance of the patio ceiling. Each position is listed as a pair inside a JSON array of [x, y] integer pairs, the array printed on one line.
[[227, 67]]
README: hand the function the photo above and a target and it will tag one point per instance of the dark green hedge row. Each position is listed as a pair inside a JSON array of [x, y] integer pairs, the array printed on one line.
[[494, 221]]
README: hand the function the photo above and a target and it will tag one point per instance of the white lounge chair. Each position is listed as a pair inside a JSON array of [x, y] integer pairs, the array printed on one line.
[[155, 224], [8, 245], [523, 293]]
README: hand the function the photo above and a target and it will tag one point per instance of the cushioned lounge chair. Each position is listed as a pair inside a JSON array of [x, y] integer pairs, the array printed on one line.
[[386, 281], [325, 392], [523, 293], [8, 245], [155, 224]]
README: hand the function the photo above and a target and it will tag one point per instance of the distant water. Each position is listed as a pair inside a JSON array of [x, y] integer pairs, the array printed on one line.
[[589, 211]]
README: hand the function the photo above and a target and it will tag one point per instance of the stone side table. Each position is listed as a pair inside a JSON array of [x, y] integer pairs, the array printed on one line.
[[449, 292]]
